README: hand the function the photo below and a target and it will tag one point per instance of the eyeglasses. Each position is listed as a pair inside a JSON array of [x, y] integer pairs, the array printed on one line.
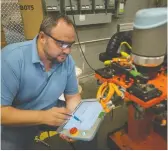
[[61, 43]]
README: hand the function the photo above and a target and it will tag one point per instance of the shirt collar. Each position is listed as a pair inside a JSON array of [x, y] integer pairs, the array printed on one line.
[[35, 56]]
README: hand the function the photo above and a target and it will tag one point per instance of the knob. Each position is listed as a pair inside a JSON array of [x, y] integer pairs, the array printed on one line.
[[73, 131]]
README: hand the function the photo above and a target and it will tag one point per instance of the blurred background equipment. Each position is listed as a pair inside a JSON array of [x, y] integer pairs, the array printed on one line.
[[138, 75]]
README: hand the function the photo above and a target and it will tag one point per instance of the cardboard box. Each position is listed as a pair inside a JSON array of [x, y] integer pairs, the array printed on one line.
[[3, 41], [32, 13]]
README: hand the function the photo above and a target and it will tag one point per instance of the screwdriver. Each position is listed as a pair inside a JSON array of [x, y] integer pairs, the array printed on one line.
[[43, 142]]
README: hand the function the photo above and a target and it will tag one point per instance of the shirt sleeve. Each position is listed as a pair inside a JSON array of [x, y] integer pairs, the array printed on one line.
[[9, 83], [72, 84]]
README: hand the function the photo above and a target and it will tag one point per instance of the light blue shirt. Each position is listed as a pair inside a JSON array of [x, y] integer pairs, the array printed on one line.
[[24, 82]]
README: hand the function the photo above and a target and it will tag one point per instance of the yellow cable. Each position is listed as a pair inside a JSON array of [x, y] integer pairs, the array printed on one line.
[[125, 43], [102, 89], [110, 93], [116, 89], [107, 62], [124, 54], [99, 92]]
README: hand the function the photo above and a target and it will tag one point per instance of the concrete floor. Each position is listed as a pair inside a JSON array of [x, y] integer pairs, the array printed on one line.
[[110, 123]]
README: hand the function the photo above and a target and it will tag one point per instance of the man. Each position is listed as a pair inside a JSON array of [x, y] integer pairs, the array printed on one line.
[[34, 75]]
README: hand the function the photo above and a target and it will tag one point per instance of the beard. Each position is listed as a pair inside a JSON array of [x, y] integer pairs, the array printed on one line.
[[54, 59]]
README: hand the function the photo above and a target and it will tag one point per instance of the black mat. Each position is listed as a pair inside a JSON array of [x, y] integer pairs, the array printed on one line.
[[56, 143]]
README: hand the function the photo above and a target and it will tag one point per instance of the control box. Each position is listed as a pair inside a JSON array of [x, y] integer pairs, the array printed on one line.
[[86, 4], [89, 114], [52, 5], [67, 5], [110, 4], [99, 4]]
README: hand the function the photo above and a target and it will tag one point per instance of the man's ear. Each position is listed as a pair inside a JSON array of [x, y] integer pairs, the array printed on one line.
[[42, 37]]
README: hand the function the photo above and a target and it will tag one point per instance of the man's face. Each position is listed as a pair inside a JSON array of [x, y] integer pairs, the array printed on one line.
[[57, 45]]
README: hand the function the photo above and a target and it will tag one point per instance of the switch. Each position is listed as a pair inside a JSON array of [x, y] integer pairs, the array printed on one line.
[[74, 131], [83, 133]]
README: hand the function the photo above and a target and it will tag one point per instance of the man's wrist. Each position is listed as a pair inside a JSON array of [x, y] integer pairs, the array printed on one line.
[[42, 118]]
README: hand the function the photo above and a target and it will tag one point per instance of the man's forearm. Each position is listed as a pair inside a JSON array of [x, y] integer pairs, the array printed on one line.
[[13, 116], [72, 101]]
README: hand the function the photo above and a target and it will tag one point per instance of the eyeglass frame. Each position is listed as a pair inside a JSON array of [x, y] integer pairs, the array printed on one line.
[[60, 42]]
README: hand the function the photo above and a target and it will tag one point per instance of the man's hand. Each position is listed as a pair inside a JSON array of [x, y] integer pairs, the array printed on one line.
[[56, 116], [67, 138]]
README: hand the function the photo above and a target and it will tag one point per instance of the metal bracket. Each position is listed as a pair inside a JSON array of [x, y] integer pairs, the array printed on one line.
[[124, 27]]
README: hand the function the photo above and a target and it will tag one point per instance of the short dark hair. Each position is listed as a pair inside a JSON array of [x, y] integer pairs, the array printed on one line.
[[51, 21]]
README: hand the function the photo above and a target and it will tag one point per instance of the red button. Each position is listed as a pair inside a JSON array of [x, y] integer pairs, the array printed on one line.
[[73, 130]]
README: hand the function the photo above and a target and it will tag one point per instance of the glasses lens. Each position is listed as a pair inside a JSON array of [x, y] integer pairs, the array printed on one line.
[[64, 46]]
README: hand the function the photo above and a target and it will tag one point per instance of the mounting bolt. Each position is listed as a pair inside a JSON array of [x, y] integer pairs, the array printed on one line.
[[159, 93]]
